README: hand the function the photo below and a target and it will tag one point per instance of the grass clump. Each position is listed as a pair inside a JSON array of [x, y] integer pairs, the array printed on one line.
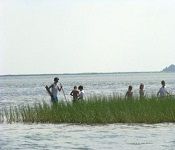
[[95, 110]]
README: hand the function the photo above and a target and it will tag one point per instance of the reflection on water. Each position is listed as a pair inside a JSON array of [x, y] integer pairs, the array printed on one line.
[[64, 136]]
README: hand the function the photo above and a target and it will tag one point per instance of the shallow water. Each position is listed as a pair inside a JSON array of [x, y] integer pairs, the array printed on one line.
[[69, 136], [21, 90], [15, 90]]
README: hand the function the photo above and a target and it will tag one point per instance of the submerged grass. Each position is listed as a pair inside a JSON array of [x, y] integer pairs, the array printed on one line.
[[95, 110]]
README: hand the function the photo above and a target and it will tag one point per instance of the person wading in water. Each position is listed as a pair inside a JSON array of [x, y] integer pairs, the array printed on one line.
[[54, 90], [75, 93]]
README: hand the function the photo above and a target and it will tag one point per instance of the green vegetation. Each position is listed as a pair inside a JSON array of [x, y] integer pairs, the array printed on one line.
[[95, 110]]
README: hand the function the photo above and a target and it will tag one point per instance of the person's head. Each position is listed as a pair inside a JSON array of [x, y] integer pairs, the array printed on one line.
[[75, 87], [56, 80], [130, 88], [80, 87], [141, 86], [163, 83]]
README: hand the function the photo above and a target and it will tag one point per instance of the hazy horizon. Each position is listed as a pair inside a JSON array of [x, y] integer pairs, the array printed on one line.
[[77, 73], [94, 36]]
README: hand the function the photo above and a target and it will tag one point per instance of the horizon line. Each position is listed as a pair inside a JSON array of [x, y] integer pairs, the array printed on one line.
[[78, 73]]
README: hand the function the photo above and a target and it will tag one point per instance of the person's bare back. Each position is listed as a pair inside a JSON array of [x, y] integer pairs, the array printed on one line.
[[75, 93]]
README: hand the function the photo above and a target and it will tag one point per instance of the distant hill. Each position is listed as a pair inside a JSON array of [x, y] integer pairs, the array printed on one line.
[[170, 68]]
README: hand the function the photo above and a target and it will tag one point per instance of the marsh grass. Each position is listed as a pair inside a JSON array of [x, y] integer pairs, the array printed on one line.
[[95, 110]]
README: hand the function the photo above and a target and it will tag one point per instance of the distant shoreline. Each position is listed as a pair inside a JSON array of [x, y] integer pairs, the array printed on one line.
[[88, 73]]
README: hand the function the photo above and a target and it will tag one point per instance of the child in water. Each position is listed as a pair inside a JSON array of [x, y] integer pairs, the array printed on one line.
[[162, 91], [141, 90], [129, 93], [75, 93], [81, 94]]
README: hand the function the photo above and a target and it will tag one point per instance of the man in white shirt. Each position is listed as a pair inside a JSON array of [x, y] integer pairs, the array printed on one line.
[[162, 91], [54, 90]]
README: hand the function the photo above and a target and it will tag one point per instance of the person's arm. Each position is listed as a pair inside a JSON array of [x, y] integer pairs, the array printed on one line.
[[71, 93], [50, 91], [59, 89], [51, 86], [158, 93], [167, 92]]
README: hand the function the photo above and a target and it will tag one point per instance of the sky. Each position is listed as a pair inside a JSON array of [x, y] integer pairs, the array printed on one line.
[[77, 36]]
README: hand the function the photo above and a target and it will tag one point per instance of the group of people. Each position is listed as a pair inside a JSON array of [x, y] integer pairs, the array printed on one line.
[[162, 91], [78, 93]]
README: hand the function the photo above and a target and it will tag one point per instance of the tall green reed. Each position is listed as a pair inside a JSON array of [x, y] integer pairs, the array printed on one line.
[[96, 110]]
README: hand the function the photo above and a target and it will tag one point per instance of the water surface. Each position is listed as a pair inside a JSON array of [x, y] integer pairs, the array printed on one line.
[[22, 90], [16, 90], [69, 136]]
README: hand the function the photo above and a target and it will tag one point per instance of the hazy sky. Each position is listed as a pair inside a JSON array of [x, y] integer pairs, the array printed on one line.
[[70, 36]]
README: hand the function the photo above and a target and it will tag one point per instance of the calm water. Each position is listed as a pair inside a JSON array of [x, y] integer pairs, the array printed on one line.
[[19, 90], [115, 136], [31, 89]]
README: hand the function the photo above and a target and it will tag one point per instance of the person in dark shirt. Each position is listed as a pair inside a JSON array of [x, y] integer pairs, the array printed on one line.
[[129, 93]]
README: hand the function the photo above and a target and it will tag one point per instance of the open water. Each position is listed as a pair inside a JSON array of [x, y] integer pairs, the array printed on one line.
[[29, 89]]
